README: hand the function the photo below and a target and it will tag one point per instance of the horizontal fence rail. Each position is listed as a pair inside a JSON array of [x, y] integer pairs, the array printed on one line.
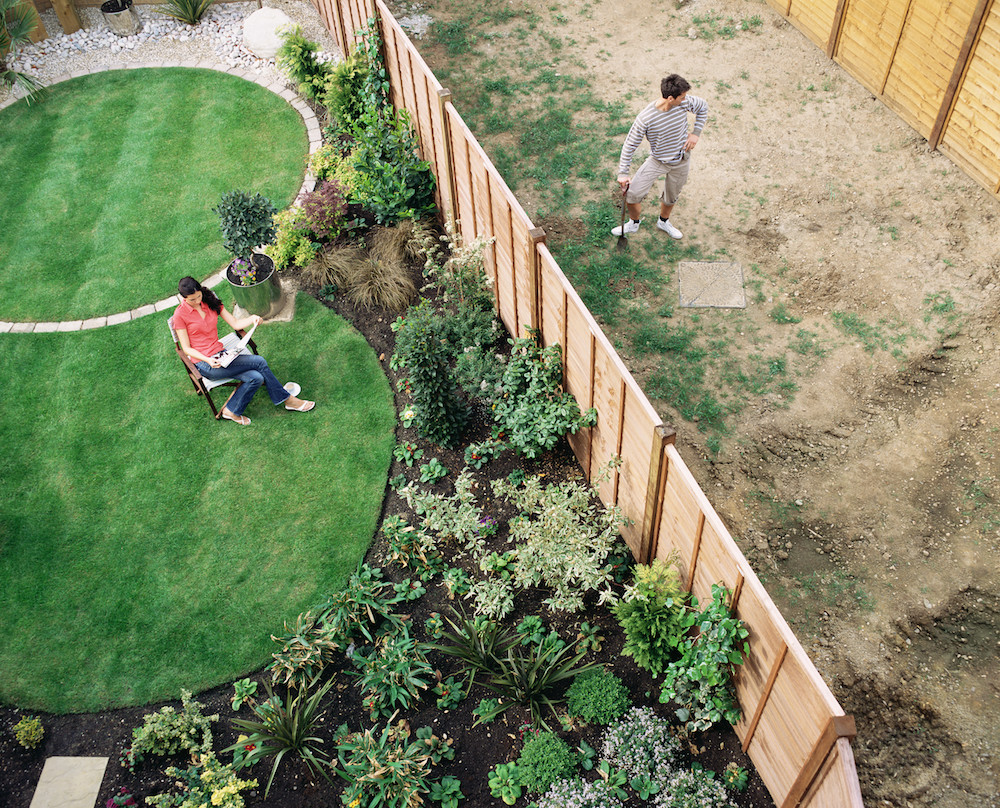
[[935, 64], [793, 729]]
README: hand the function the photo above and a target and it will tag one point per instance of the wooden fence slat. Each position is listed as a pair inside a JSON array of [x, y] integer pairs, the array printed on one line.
[[839, 726]]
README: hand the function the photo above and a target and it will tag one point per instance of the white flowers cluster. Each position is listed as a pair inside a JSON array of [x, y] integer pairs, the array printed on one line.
[[692, 788], [579, 793], [641, 743]]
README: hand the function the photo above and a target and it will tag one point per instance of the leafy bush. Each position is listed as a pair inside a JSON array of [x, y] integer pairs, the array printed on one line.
[[642, 744], [29, 731], [700, 682], [331, 162], [206, 783], [285, 727], [422, 348], [411, 546], [458, 272], [692, 788], [363, 608], [305, 650], [325, 210], [651, 613], [392, 674], [385, 768], [580, 793], [563, 539], [297, 57], [343, 95], [598, 696], [189, 11], [167, 732], [545, 759], [292, 243], [531, 408], [246, 221]]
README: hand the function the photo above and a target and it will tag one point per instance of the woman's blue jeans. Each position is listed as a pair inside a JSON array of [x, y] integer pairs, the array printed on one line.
[[253, 371]]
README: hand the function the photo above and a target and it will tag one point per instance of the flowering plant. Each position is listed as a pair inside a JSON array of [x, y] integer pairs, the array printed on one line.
[[123, 797]]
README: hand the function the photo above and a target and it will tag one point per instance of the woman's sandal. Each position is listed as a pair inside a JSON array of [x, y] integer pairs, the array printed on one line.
[[242, 420], [305, 406]]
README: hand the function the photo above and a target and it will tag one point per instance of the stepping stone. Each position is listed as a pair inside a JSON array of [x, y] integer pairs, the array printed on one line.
[[711, 284], [69, 782]]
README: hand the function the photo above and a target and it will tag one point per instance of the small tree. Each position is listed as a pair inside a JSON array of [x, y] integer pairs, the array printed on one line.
[[17, 21], [246, 221]]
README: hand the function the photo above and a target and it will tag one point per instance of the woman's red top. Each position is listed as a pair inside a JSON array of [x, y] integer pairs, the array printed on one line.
[[203, 334]]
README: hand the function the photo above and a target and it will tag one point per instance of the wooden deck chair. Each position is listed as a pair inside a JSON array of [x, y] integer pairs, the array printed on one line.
[[203, 386]]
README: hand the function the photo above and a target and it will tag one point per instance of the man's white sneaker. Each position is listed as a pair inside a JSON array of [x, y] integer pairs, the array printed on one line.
[[669, 228], [630, 227]]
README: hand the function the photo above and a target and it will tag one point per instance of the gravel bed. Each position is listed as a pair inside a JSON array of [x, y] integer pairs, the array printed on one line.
[[218, 37]]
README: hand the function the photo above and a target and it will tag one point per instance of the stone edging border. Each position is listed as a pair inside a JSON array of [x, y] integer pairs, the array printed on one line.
[[276, 86]]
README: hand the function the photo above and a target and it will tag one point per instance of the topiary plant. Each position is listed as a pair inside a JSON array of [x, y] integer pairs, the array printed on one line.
[[246, 221], [651, 612], [29, 731], [597, 696]]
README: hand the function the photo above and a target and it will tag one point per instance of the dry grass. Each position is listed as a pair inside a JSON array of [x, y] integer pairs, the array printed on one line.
[[379, 276]]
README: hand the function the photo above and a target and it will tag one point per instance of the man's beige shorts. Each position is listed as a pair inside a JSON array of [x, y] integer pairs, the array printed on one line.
[[674, 176]]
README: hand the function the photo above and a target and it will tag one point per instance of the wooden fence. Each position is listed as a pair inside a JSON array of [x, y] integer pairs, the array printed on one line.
[[792, 727], [936, 64]]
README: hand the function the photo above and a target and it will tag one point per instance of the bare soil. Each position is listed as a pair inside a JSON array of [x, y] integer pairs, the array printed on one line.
[[871, 503]]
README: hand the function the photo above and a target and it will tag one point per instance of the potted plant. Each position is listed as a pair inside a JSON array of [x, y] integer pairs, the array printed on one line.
[[247, 222], [121, 17]]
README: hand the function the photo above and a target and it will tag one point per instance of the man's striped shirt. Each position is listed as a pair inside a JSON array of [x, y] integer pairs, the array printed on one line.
[[667, 132]]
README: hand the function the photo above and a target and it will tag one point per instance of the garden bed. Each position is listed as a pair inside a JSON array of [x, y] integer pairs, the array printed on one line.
[[477, 749]]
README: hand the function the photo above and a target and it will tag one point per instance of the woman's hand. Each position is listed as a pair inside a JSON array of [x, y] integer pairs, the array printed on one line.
[[213, 362]]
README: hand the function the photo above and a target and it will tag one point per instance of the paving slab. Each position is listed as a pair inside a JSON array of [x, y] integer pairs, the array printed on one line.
[[69, 782], [711, 284]]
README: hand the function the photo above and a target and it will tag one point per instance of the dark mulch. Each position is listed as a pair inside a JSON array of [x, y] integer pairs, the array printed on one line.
[[477, 749]]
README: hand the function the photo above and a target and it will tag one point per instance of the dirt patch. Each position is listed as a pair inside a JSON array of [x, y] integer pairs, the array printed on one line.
[[876, 489]]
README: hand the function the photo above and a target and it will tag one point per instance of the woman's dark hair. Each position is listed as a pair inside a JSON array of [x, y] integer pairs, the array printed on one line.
[[188, 286]]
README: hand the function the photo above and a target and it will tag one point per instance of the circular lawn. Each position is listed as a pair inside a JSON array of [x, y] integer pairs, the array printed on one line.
[[110, 181]]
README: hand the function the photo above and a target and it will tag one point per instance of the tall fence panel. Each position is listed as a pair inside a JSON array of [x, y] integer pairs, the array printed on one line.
[[792, 727], [935, 64]]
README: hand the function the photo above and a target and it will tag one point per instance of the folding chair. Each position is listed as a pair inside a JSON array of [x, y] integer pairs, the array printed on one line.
[[203, 386]]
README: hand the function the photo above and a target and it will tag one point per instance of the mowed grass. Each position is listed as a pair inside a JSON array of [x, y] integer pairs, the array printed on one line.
[[109, 185], [145, 547]]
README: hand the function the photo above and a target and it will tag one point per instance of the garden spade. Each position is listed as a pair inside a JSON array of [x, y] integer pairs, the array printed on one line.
[[622, 244]]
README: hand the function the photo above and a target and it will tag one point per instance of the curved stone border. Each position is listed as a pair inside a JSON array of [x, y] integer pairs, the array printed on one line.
[[276, 86]]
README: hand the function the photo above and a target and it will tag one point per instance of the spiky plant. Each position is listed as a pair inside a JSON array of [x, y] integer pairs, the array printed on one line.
[[17, 21]]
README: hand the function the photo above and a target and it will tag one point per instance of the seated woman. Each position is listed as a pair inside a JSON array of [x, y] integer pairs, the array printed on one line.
[[196, 322]]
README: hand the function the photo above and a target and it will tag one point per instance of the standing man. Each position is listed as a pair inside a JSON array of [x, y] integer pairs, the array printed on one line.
[[664, 123]]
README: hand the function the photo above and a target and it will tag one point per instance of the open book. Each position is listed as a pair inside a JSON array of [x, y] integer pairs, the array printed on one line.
[[226, 356]]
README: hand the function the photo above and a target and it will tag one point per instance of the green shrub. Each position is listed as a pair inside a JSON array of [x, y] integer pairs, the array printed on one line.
[[598, 696], [188, 11], [386, 768], [167, 732], [363, 608], [531, 407], [206, 783], [343, 95], [292, 244], [29, 731], [328, 162], [563, 539], [393, 674], [651, 613], [305, 650], [422, 348], [297, 57], [545, 759], [700, 682]]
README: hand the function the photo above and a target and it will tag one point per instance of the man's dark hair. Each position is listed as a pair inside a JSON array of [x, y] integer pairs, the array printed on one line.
[[673, 86]]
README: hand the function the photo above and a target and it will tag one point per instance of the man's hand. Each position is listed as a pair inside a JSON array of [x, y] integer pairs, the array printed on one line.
[[692, 141], [623, 181]]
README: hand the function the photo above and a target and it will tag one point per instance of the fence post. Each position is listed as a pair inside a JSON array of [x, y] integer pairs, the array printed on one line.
[[537, 236], [838, 24], [444, 98], [839, 726], [653, 509]]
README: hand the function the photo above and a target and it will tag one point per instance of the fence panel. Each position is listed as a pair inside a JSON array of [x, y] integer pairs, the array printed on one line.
[[781, 693], [814, 18], [972, 136], [868, 37]]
